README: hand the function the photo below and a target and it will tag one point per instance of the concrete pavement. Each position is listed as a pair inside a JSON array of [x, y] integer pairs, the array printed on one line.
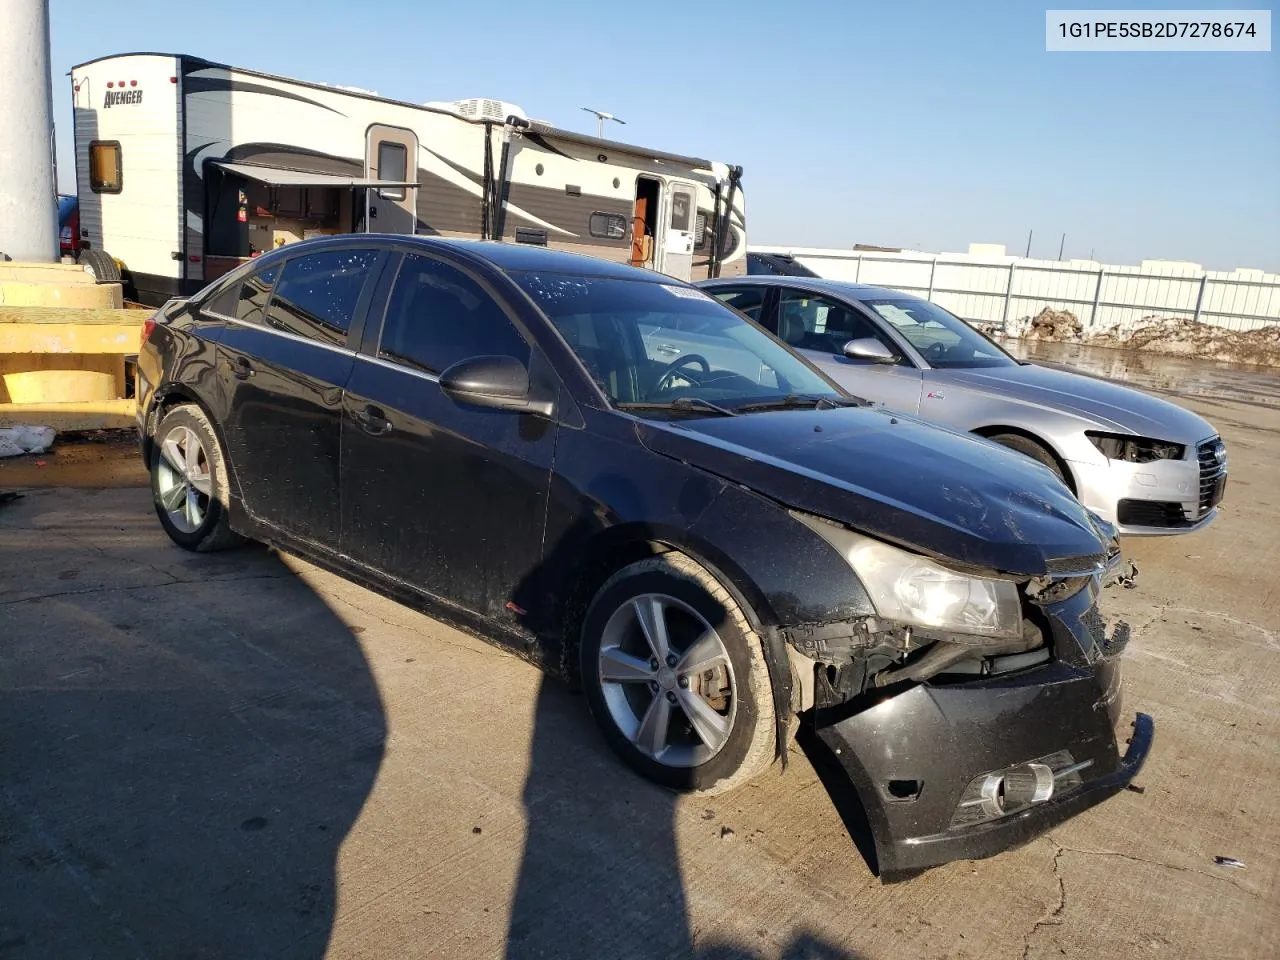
[[240, 755]]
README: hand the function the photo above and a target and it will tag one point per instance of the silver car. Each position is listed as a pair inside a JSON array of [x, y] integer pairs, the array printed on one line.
[[1144, 464]]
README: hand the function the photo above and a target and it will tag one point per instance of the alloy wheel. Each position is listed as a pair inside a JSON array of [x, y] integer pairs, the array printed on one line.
[[667, 680], [184, 484]]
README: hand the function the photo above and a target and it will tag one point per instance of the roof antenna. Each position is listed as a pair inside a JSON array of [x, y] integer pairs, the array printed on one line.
[[601, 117]]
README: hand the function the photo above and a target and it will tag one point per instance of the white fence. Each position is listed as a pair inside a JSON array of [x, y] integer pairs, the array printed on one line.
[[997, 292]]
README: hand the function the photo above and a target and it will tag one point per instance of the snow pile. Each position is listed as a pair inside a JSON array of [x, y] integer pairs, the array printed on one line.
[[1050, 324], [1178, 336], [15, 441], [1182, 337]]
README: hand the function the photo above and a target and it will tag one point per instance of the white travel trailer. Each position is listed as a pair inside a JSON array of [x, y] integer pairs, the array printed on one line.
[[186, 168]]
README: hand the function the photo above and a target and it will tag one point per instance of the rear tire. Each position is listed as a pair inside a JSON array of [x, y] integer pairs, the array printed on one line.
[[188, 482], [701, 717], [1030, 448], [101, 265]]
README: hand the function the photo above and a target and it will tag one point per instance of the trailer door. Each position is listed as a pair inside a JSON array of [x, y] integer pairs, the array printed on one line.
[[391, 153], [680, 216]]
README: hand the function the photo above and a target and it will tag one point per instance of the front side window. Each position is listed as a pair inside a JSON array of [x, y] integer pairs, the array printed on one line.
[[655, 343], [438, 315], [393, 165], [748, 300], [811, 322], [317, 294], [106, 168], [943, 339]]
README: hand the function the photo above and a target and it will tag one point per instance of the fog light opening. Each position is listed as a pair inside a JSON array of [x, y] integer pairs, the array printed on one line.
[[904, 789]]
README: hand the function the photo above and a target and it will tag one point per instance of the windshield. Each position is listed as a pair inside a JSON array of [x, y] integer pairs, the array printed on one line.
[[66, 206], [944, 340], [657, 343]]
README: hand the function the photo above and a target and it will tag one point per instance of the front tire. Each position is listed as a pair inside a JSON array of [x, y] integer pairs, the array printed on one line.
[[1030, 448], [101, 265], [188, 482], [676, 678]]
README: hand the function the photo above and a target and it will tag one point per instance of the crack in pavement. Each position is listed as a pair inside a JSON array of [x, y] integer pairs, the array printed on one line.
[[1054, 919], [1161, 863], [140, 586]]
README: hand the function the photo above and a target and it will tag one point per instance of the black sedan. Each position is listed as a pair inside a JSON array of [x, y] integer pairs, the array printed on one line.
[[634, 486]]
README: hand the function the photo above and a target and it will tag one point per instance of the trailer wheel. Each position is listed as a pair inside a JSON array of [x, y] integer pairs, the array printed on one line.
[[101, 265]]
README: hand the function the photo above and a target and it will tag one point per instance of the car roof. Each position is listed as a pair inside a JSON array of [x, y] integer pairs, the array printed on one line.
[[838, 288], [508, 257]]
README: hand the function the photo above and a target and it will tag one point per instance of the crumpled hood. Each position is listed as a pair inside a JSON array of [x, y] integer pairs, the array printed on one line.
[[946, 494], [1112, 406]]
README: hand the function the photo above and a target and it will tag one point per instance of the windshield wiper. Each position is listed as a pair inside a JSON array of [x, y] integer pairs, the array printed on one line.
[[682, 404], [796, 401]]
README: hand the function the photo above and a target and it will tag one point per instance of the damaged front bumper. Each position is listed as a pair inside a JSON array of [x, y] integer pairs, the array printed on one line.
[[966, 770]]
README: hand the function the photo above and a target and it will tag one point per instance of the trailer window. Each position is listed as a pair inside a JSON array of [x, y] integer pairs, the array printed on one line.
[[608, 226], [105, 173], [393, 164], [681, 208]]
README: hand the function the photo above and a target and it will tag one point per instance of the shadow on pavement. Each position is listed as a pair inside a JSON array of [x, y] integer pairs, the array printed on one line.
[[180, 757], [601, 871]]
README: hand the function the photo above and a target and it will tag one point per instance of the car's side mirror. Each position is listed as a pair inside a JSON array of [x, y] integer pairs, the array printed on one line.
[[496, 383], [869, 349]]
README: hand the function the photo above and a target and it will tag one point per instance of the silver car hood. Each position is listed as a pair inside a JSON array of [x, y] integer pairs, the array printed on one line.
[[1109, 405]]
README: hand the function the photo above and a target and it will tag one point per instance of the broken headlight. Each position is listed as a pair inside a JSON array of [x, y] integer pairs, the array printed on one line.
[[1131, 449], [909, 588]]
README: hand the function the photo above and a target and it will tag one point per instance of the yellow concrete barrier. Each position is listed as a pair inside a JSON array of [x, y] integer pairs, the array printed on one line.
[[63, 366]]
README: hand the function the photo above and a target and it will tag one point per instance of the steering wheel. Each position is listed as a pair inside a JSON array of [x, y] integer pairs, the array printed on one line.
[[936, 350], [669, 374]]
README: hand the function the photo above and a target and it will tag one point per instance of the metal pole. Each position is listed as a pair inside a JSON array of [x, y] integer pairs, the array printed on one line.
[[1097, 296], [933, 268], [599, 128], [1008, 295], [1062, 245], [28, 194], [1028, 253], [857, 269], [1204, 280]]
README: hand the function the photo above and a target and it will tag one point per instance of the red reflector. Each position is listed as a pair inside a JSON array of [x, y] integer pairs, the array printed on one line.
[[110, 84], [173, 79], [518, 611], [194, 258], [148, 325], [133, 83]]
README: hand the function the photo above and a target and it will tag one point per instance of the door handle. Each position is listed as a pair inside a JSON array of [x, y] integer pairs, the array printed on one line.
[[241, 368], [372, 421]]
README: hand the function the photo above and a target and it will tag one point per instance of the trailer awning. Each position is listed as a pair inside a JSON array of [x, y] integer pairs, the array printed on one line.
[[278, 177]]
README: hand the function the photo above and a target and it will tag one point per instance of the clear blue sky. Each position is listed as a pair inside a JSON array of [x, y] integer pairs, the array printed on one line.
[[925, 124]]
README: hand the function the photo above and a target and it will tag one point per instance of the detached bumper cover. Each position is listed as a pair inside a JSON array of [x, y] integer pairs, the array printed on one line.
[[943, 737]]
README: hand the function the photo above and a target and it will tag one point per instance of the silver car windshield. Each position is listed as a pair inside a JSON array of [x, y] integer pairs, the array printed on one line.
[[649, 343], [943, 339]]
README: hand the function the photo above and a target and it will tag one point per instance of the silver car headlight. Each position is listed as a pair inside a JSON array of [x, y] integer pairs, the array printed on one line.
[[912, 589], [1133, 449]]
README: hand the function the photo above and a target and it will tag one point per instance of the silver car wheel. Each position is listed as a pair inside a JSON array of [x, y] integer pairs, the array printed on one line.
[[667, 680], [183, 481]]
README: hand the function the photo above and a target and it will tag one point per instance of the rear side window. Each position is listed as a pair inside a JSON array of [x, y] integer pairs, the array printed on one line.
[[106, 172], [247, 300], [317, 294], [438, 315]]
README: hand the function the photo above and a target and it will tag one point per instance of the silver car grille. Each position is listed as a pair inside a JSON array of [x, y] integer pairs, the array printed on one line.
[[1212, 454]]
